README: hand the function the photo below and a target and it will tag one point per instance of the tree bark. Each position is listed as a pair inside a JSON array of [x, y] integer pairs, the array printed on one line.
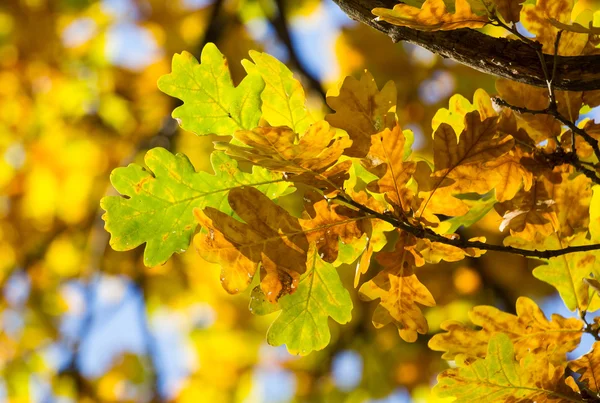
[[501, 57]]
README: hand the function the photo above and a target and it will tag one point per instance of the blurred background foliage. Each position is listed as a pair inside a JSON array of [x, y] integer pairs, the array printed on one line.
[[82, 323]]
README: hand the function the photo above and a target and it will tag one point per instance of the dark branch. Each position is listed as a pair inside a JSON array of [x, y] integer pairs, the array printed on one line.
[[561, 156], [280, 23], [511, 59], [425, 233]]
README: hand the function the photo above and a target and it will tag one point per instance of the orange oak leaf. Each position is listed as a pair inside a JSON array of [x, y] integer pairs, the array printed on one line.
[[269, 236], [588, 367], [510, 10], [278, 149], [460, 164], [362, 110], [386, 160], [528, 329], [537, 19], [331, 224], [399, 290], [539, 126], [432, 16], [479, 142], [529, 212]]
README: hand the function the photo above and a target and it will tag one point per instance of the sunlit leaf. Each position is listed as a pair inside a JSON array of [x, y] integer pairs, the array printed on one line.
[[211, 104], [529, 330], [362, 110], [302, 324], [278, 149], [500, 378], [537, 19], [588, 368], [567, 272], [432, 16], [283, 99], [400, 291], [269, 236], [158, 203]]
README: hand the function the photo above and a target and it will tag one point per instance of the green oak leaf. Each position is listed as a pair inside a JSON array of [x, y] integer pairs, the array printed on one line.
[[566, 273], [158, 204], [302, 323], [211, 104], [283, 99]]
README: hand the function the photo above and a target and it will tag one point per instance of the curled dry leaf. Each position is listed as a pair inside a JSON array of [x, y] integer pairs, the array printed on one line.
[[432, 16]]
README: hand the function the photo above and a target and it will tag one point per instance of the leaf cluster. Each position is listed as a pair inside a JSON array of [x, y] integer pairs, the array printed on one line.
[[362, 197]]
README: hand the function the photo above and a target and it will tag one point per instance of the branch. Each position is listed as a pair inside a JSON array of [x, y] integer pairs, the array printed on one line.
[[280, 23], [425, 233], [560, 156], [511, 59]]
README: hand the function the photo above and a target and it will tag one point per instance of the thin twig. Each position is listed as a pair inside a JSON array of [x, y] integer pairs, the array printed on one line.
[[425, 233], [282, 28], [560, 156]]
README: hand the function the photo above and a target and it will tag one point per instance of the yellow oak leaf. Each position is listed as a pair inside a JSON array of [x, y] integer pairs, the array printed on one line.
[[399, 290], [459, 106], [529, 330], [500, 378], [508, 175], [434, 252], [444, 201], [461, 165], [588, 368], [432, 16], [572, 198], [362, 110], [270, 236]]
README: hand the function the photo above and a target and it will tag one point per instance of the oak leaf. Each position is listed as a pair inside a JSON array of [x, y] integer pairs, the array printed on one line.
[[530, 212], [269, 236], [537, 19], [478, 142], [386, 160], [399, 290], [529, 330], [158, 203], [302, 323], [283, 98], [459, 106], [588, 368], [211, 104], [362, 110], [500, 378], [276, 148], [567, 272], [510, 10], [432, 16]]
